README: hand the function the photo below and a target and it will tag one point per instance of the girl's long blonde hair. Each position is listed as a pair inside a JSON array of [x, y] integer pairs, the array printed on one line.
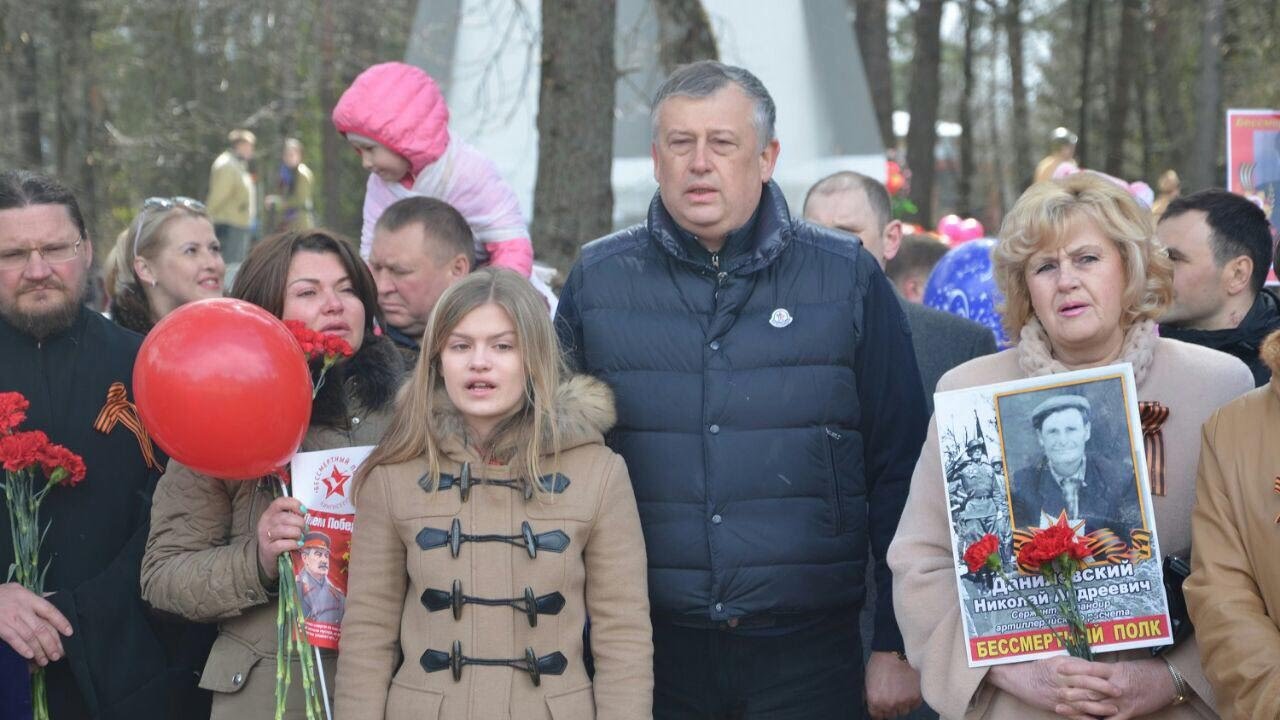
[[521, 439]]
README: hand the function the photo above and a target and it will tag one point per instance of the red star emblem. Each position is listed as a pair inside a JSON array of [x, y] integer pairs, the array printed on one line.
[[335, 484]]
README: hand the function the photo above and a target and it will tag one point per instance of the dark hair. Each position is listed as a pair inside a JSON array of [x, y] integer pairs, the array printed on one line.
[[917, 253], [1236, 227], [23, 188], [705, 78], [262, 277], [847, 180], [441, 221]]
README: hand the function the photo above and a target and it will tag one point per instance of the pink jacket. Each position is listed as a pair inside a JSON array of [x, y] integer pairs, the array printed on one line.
[[402, 108]]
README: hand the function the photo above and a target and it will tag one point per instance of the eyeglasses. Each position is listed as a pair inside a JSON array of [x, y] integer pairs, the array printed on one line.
[[164, 203], [55, 254]]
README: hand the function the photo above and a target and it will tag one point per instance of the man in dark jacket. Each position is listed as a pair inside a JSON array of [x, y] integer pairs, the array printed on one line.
[[105, 655], [769, 412], [859, 205], [856, 204], [1220, 244]]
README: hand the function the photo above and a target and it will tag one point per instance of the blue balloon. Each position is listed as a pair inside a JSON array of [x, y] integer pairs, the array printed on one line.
[[962, 283]]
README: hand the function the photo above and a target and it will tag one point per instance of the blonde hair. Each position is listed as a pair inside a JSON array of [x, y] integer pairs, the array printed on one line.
[[1045, 216], [144, 237], [528, 434]]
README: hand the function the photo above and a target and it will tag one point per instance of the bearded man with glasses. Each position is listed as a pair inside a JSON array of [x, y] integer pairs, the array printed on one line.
[[104, 653]]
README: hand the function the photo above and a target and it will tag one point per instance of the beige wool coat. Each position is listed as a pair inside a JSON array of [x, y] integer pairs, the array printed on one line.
[[601, 572], [1190, 380], [201, 560], [1234, 589]]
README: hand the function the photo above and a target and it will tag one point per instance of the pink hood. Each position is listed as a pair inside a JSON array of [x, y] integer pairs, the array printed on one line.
[[401, 108]]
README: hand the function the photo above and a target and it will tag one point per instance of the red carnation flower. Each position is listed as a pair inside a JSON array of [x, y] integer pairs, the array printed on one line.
[[983, 553], [61, 465], [20, 451], [334, 346], [13, 410], [1047, 545]]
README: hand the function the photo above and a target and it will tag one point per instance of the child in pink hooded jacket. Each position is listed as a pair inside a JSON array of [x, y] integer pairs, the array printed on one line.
[[396, 118]]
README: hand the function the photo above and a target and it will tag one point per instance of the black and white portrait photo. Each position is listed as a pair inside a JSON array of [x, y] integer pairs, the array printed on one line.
[[1068, 451]]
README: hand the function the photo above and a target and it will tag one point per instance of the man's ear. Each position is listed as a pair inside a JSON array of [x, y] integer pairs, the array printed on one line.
[[891, 239], [1237, 275], [769, 159], [912, 288], [459, 266]]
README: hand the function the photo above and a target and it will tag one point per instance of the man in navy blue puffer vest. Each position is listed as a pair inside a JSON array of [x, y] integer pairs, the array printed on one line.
[[770, 413]]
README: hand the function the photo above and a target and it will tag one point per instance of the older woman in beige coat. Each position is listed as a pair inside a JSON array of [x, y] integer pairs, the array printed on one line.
[[1234, 589], [1083, 279], [490, 523]]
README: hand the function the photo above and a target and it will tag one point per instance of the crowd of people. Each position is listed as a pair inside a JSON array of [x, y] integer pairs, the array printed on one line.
[[692, 489]]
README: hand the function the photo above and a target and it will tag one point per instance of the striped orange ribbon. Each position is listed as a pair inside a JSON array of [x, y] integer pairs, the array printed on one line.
[[1153, 415], [118, 409]]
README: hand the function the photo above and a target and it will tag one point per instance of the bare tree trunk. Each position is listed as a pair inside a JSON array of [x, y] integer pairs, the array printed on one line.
[[871, 28], [1147, 69], [1209, 121], [573, 195], [1018, 90], [331, 143], [1086, 56], [684, 33], [964, 186], [27, 103], [999, 197], [1122, 78], [1167, 86], [78, 106], [923, 105]]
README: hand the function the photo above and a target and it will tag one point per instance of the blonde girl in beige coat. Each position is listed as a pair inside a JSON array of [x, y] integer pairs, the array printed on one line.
[[491, 522], [1083, 279]]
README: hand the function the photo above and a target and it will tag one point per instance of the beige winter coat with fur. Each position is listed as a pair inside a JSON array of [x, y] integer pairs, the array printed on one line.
[[1234, 589], [1190, 380], [600, 572]]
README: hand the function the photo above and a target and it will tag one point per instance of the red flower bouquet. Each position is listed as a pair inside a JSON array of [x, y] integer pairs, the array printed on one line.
[[1056, 553], [33, 466]]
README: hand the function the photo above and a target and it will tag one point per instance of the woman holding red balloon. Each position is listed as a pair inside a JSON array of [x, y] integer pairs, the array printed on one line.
[[212, 553]]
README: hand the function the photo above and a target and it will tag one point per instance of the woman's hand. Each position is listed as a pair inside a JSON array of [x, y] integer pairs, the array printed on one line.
[[280, 530], [1067, 686], [1145, 686]]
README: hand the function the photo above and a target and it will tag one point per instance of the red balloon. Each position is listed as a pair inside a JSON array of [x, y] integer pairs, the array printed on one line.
[[224, 388]]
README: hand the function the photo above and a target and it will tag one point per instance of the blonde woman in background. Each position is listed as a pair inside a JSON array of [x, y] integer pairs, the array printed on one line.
[[167, 257]]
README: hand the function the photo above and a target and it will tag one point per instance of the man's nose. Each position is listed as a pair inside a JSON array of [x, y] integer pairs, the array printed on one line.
[[701, 160], [37, 268]]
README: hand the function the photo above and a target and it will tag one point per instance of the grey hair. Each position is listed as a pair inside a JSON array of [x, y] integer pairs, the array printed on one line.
[[705, 78], [847, 180]]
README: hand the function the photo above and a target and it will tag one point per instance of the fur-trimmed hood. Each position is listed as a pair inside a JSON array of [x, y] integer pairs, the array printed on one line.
[[369, 380], [584, 413]]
